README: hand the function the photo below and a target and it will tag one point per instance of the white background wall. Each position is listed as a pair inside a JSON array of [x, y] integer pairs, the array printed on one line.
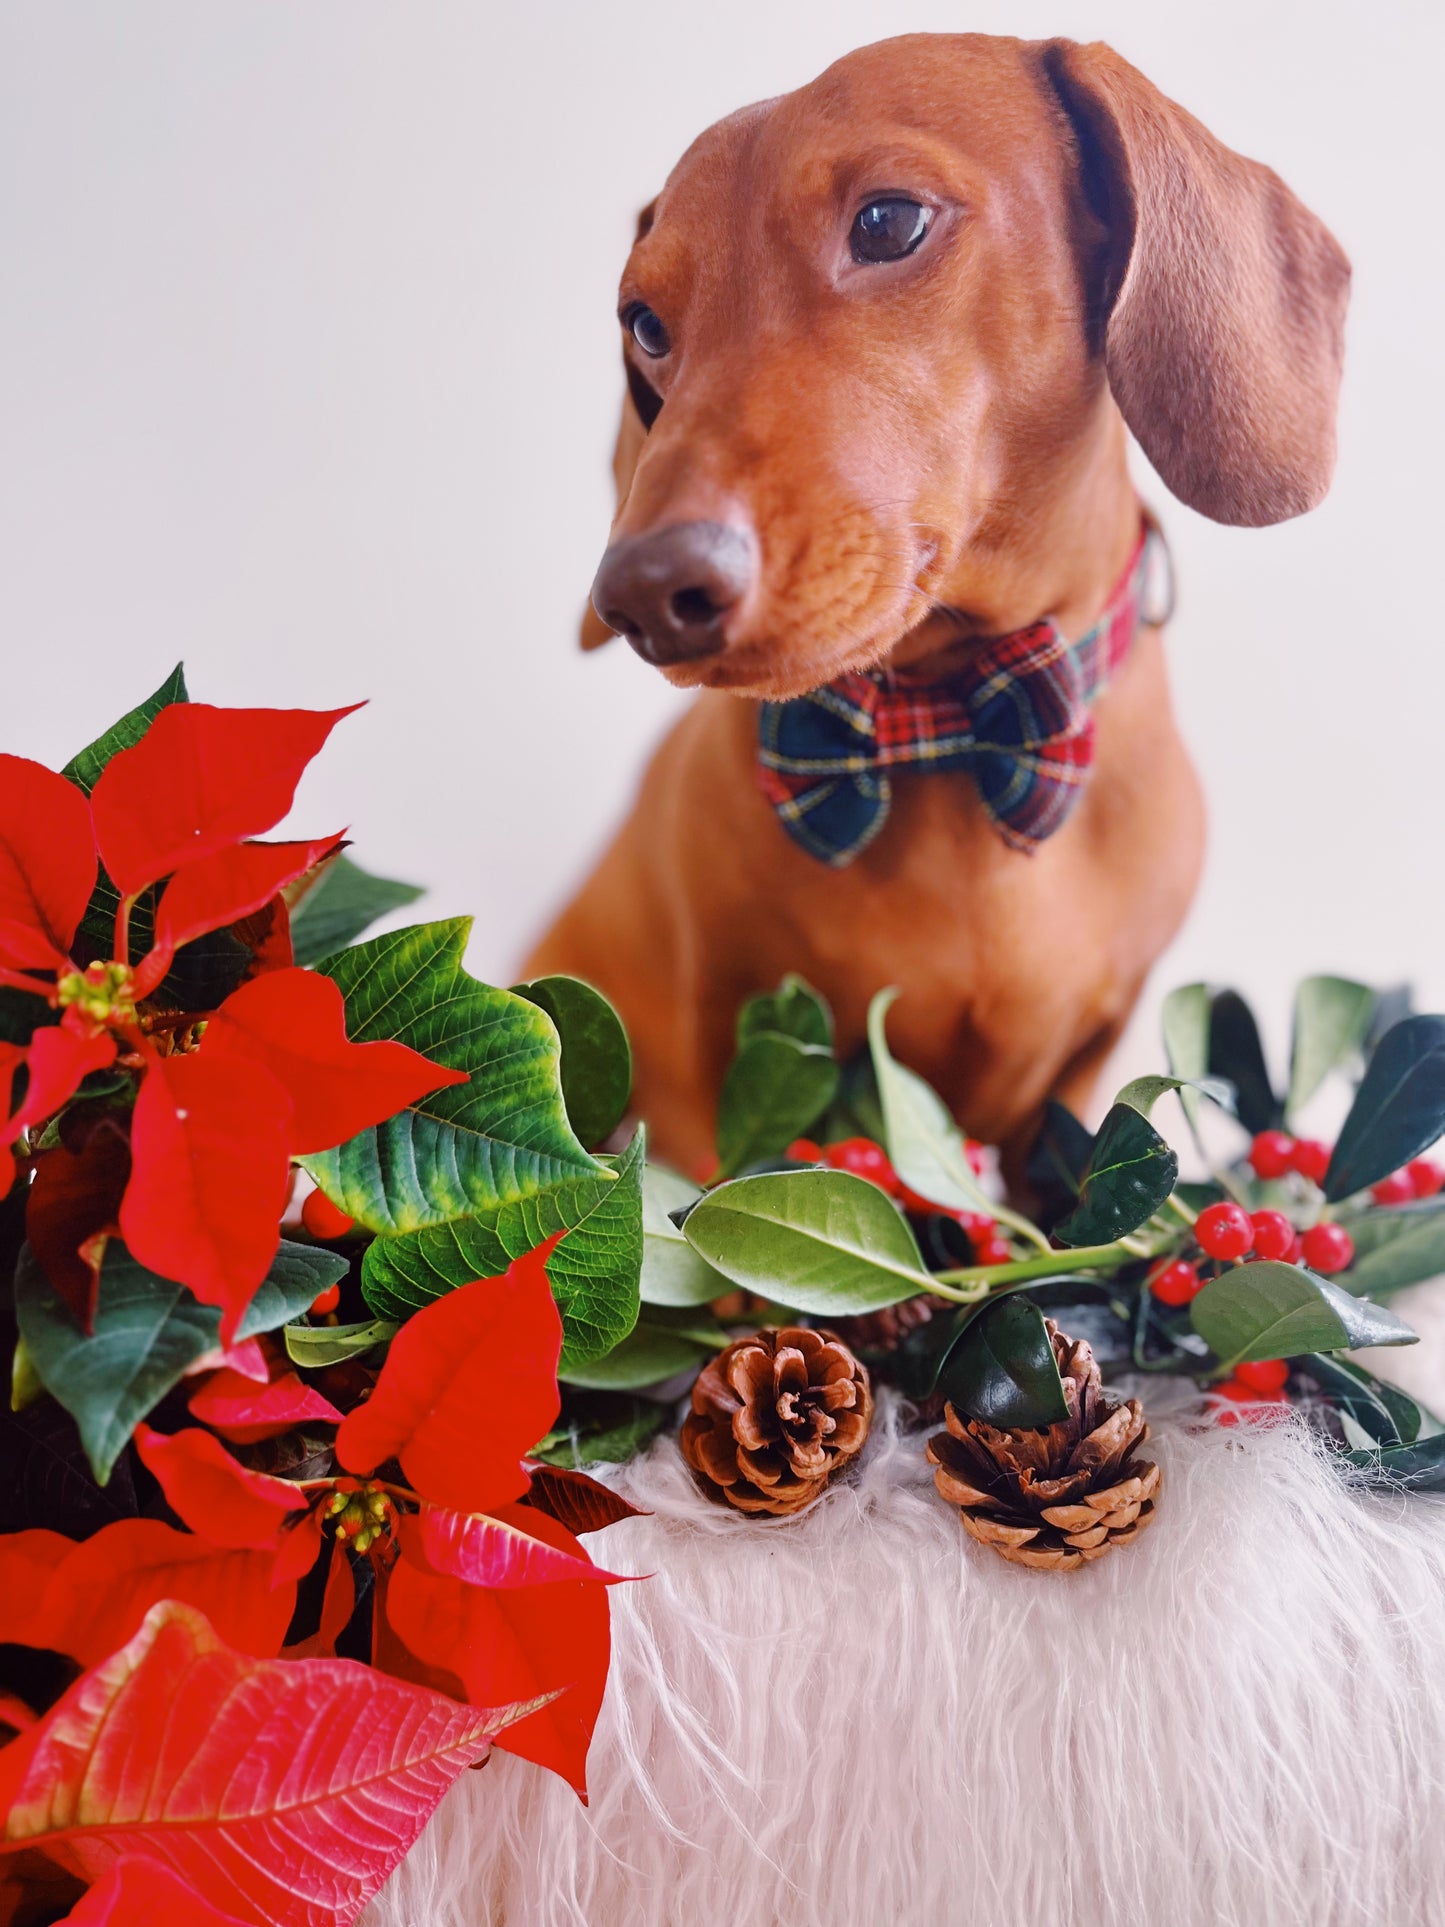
[[308, 374]]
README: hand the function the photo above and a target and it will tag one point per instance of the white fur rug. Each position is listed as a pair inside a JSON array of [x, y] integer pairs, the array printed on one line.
[[861, 1717]]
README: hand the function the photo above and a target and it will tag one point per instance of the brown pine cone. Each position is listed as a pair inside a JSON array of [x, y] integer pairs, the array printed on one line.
[[774, 1417], [885, 1331], [1051, 1496]]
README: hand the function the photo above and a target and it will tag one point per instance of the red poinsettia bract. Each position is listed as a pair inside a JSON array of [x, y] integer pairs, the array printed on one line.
[[224, 1103]]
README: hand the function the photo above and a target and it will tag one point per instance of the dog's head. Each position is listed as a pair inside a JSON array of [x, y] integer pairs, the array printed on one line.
[[870, 327]]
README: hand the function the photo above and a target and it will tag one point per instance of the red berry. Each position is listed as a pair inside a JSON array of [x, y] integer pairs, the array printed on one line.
[[1263, 1374], [1176, 1284], [1297, 1250], [1238, 1391], [803, 1150], [1398, 1188], [1426, 1176], [1328, 1247], [326, 1301], [1273, 1234], [1270, 1154], [978, 1224], [1224, 1230], [864, 1159], [1311, 1158], [323, 1219], [992, 1250]]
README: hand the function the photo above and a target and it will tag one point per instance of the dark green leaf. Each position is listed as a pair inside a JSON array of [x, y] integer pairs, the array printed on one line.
[[299, 1274], [1143, 1093], [468, 1148], [21, 1015], [855, 1111], [794, 1010], [147, 1333], [85, 769], [1002, 1370], [601, 1428], [1272, 1310], [774, 1090], [1394, 1247], [1399, 1109], [596, 1056], [313, 1346], [1236, 1053], [825, 1242], [1391, 1005], [1057, 1162], [1389, 1415], [344, 901], [1420, 1466], [593, 1272], [1130, 1174], [672, 1272], [1331, 1022]]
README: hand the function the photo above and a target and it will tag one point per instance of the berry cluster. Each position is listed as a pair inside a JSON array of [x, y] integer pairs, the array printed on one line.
[[866, 1159]]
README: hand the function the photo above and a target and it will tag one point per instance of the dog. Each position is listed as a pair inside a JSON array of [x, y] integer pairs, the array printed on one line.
[[883, 338]]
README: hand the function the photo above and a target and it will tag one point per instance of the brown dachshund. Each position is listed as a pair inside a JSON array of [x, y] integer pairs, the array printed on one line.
[[883, 337]]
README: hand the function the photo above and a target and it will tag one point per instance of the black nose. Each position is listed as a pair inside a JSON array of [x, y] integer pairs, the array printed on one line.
[[670, 592]]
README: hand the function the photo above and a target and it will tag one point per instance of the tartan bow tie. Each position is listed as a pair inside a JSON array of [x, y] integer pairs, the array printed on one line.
[[1016, 715]]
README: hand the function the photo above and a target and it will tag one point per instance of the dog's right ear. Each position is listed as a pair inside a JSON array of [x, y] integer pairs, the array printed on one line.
[[640, 404]]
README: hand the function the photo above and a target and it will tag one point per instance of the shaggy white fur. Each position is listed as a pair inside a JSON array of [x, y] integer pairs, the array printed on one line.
[[861, 1717]]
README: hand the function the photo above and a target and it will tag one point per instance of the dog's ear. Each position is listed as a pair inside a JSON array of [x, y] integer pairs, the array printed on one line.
[[1219, 299], [640, 404]]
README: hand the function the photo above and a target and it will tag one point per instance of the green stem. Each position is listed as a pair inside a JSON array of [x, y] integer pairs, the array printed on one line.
[[1084, 1258]]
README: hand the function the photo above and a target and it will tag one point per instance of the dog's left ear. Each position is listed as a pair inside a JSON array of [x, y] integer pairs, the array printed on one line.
[[1219, 297], [639, 410]]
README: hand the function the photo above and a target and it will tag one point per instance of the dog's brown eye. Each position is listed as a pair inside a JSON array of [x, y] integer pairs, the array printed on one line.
[[646, 330], [887, 230]]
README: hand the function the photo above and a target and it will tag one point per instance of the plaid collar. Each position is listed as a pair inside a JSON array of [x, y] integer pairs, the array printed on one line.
[[1015, 714]]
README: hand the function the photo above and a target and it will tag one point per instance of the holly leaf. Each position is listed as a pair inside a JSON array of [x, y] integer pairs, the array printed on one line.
[[1399, 1109], [496, 1139], [341, 1768], [84, 769], [1131, 1172], [1237, 1055], [594, 1272], [1419, 1467], [793, 1010], [1185, 1022], [342, 902], [672, 1272], [1002, 1370], [824, 1242], [596, 1056], [649, 1355], [1395, 1247], [1057, 1162], [1332, 1018], [774, 1090], [1273, 1310], [1143, 1093], [1389, 1415]]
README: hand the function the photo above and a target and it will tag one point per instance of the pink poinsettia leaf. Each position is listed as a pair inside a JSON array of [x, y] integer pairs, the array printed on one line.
[[245, 1359], [286, 1790], [294, 1023], [220, 890], [211, 1174], [244, 1412], [489, 1551], [47, 864], [201, 780], [220, 1499]]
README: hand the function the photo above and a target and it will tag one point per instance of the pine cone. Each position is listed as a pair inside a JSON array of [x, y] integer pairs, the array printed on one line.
[[1051, 1496], [774, 1417], [885, 1331]]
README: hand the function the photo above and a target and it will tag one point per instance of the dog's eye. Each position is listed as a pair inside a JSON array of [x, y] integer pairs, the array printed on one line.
[[887, 230], [646, 330]]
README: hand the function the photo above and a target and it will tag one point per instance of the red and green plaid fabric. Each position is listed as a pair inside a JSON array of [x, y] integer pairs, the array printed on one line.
[[1015, 714]]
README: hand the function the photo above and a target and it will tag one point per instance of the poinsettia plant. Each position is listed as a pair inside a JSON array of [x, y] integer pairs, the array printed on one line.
[[240, 1462], [845, 1190]]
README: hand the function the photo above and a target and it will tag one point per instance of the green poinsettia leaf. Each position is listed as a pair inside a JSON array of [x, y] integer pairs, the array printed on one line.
[[596, 1056], [650, 1354], [147, 1333], [84, 769], [298, 1275], [793, 1010], [1185, 1022], [594, 1272], [1237, 1055], [672, 1272], [339, 904], [314, 1346], [1395, 1247], [1002, 1370], [1274, 1310], [469, 1148], [775, 1090], [924, 1144], [1390, 1416], [1131, 1172], [824, 1242], [1332, 1018], [1399, 1109]]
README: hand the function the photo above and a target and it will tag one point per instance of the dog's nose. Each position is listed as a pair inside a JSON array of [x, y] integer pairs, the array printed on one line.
[[670, 592]]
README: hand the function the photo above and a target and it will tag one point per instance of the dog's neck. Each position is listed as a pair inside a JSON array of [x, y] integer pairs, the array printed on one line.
[[1054, 544]]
